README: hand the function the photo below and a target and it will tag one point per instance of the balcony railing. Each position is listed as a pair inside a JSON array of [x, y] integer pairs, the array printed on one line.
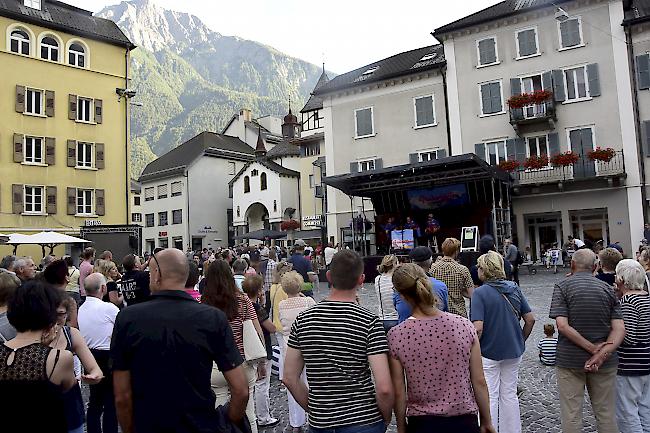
[[581, 170], [542, 112]]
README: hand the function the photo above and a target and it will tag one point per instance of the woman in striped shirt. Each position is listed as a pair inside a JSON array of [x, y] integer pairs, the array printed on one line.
[[385, 290], [633, 378]]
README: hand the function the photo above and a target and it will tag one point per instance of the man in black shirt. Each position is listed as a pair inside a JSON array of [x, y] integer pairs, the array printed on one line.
[[302, 266], [134, 284], [163, 351]]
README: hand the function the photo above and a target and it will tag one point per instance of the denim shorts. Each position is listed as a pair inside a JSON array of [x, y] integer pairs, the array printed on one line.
[[378, 427]]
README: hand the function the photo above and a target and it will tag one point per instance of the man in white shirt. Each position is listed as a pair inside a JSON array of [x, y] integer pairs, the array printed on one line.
[[329, 254], [96, 320]]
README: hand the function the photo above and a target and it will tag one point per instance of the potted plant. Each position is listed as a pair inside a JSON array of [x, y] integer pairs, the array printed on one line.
[[540, 96], [524, 99], [565, 159], [519, 101], [289, 225], [600, 154], [509, 166], [536, 162]]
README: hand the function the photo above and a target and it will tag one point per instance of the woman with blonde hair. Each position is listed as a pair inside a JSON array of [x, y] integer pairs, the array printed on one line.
[[441, 357], [497, 308], [288, 310], [109, 270], [384, 290], [277, 295]]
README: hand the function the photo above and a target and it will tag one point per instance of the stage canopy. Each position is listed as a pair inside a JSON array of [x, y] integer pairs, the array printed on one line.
[[262, 235]]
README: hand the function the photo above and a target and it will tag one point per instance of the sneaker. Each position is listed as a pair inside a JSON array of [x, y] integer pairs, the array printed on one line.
[[272, 423]]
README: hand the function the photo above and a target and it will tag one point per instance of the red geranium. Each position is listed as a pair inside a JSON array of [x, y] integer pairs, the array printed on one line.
[[602, 154], [565, 159], [536, 162], [289, 225], [511, 165]]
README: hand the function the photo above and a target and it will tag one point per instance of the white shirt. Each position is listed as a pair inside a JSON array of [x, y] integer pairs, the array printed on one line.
[[96, 319], [578, 243], [329, 254]]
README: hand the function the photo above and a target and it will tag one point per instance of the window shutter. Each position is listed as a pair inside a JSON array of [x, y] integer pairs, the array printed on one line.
[[520, 150], [51, 200], [72, 153], [527, 45], [50, 150], [487, 51], [413, 158], [17, 198], [98, 111], [479, 150], [515, 89], [18, 147], [511, 154], [72, 107], [49, 103], [573, 27], [553, 143], [20, 99], [643, 71], [99, 155], [72, 201], [594, 79], [558, 85], [100, 205], [485, 98], [646, 135], [379, 163], [495, 94], [354, 167], [441, 153]]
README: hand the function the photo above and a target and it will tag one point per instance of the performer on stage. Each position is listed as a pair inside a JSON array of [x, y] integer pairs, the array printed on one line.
[[412, 225], [430, 231]]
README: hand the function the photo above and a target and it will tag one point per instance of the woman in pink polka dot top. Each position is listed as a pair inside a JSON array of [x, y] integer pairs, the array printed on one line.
[[440, 355]]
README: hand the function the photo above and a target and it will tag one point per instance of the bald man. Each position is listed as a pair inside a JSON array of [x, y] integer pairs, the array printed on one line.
[[590, 325], [163, 351]]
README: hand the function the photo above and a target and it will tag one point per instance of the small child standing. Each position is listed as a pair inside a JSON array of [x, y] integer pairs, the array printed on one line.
[[548, 346]]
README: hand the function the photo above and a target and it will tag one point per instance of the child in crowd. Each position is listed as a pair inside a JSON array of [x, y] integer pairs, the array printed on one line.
[[548, 346], [554, 257]]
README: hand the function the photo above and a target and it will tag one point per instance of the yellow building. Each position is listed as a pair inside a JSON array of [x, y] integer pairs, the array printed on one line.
[[64, 105]]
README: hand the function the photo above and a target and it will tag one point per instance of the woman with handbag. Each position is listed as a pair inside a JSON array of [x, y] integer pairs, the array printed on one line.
[[222, 292], [292, 283], [384, 289], [497, 308]]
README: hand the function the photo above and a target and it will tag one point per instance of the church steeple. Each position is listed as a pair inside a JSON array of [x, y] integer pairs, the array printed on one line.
[[260, 149], [290, 127]]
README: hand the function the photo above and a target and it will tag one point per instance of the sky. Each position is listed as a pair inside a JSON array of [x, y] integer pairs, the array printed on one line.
[[345, 34]]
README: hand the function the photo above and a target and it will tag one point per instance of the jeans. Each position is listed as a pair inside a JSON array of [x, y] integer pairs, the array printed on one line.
[[101, 400], [571, 383], [443, 424], [262, 402], [377, 427], [501, 378], [388, 324], [633, 403]]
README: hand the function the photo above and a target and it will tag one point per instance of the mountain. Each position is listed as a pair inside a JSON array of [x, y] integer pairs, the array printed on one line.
[[190, 78]]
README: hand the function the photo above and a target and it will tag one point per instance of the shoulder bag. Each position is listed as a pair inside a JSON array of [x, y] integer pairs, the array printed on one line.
[[254, 349], [516, 312]]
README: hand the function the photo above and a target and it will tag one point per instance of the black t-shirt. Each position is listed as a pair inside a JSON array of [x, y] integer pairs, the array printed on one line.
[[111, 286], [169, 345], [135, 286], [263, 316]]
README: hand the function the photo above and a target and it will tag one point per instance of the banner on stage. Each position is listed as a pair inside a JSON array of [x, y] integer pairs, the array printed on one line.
[[402, 239]]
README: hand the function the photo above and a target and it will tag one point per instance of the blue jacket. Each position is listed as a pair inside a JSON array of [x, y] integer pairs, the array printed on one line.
[[404, 309]]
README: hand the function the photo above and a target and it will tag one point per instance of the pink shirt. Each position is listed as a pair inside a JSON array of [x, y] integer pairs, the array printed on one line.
[[85, 269], [435, 354]]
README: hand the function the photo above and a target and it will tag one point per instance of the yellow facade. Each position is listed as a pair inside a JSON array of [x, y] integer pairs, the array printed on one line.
[[105, 70]]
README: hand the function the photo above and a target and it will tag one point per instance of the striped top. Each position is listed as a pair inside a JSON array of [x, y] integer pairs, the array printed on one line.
[[384, 289], [245, 311], [335, 340], [634, 352], [547, 349]]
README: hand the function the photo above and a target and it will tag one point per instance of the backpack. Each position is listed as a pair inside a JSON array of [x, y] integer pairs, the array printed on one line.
[[521, 258]]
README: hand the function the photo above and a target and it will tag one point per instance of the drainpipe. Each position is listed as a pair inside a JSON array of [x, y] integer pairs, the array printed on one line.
[[126, 134], [443, 71], [187, 201], [637, 120]]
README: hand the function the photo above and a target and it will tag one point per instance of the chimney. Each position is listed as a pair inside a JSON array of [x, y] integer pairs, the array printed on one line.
[[247, 114]]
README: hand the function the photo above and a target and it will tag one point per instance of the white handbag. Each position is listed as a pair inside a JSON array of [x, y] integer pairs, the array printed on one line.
[[253, 346]]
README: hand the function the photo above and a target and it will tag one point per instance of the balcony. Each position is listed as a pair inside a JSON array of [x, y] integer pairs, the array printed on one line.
[[584, 169], [538, 115]]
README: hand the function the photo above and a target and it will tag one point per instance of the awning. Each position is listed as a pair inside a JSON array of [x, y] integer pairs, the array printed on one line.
[[438, 172], [263, 235]]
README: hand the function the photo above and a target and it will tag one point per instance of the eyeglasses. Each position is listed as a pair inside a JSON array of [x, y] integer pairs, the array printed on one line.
[[153, 256]]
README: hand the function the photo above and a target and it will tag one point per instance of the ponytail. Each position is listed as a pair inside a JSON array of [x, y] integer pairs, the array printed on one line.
[[414, 286]]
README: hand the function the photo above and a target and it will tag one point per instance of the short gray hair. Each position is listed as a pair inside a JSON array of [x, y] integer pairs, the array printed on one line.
[[584, 259], [21, 262], [8, 262], [631, 274], [94, 282]]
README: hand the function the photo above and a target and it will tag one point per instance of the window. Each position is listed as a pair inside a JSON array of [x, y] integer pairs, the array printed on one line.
[[148, 193], [487, 51], [424, 111], [34, 102], [491, 99], [162, 218], [367, 73], [177, 216], [19, 42], [570, 33], [364, 122], [310, 149], [34, 150], [529, 85], [77, 55], [84, 202], [177, 188], [163, 243], [148, 220], [136, 217], [576, 83], [162, 191], [34, 199], [263, 182], [537, 146], [311, 180], [231, 167], [84, 110], [84, 154], [247, 184], [254, 173], [136, 200], [427, 156], [34, 4], [368, 165], [49, 49], [527, 43], [495, 152]]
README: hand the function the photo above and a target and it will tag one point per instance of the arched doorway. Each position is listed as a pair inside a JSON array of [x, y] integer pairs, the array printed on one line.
[[257, 217]]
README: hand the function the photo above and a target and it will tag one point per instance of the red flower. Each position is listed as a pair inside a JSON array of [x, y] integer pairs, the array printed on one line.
[[536, 162], [509, 165], [535, 98], [289, 225], [602, 154], [565, 159]]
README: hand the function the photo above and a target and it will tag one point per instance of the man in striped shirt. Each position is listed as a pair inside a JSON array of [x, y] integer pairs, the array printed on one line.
[[341, 344], [590, 326]]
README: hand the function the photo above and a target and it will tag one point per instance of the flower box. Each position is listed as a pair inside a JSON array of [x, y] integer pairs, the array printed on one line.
[[289, 225], [509, 165], [536, 162], [535, 98], [602, 154], [565, 159]]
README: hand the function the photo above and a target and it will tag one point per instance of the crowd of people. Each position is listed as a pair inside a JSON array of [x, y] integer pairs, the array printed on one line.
[[183, 341]]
